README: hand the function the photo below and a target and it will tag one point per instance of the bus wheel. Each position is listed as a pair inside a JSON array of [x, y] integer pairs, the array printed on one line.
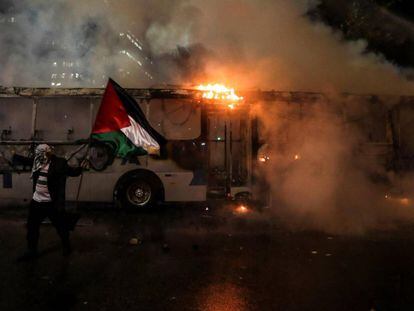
[[138, 192]]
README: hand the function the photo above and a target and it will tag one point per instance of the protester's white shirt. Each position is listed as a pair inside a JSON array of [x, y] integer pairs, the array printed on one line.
[[41, 193]]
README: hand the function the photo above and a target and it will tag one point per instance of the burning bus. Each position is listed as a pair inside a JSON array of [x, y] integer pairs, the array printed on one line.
[[215, 140], [208, 130]]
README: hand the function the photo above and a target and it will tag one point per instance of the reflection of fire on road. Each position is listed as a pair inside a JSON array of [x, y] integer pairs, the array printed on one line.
[[219, 92], [400, 200], [241, 209], [221, 295]]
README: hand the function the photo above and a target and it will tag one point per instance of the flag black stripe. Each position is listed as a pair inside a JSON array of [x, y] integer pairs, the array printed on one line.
[[133, 109]]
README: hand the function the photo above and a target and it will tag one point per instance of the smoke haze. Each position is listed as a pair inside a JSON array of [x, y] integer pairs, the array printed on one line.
[[321, 177], [248, 44], [268, 44]]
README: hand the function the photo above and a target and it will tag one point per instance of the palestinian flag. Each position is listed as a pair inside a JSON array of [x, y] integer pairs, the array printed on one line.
[[121, 124]]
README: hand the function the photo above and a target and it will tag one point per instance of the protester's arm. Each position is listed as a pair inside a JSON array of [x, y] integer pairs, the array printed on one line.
[[73, 171], [76, 171]]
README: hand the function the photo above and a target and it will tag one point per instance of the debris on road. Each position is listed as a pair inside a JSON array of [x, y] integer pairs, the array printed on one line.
[[135, 241]]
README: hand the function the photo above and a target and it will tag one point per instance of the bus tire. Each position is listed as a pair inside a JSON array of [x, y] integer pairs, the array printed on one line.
[[139, 190]]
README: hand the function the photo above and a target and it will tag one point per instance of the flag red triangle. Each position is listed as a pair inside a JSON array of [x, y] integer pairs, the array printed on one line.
[[112, 115]]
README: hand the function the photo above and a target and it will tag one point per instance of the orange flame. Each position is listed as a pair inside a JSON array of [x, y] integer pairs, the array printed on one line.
[[241, 209], [220, 92]]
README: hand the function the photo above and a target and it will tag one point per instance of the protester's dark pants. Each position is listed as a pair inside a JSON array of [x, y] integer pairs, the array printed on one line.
[[37, 213]]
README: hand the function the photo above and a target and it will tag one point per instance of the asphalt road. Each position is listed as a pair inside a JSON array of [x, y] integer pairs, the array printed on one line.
[[191, 258]]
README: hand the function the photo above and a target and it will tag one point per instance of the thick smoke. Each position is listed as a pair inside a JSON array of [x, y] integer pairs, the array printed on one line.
[[246, 43], [322, 174], [81, 43], [267, 44]]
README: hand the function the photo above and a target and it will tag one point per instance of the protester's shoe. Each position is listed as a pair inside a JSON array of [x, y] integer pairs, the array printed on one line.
[[27, 256]]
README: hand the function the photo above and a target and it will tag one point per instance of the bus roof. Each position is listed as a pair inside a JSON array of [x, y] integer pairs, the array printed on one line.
[[186, 93]]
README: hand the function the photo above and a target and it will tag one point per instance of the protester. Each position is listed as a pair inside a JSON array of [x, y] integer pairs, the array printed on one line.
[[49, 174]]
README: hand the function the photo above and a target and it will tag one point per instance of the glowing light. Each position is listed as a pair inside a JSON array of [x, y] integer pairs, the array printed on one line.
[[134, 40], [241, 209], [221, 93], [399, 200], [297, 157], [264, 158], [131, 57], [404, 201]]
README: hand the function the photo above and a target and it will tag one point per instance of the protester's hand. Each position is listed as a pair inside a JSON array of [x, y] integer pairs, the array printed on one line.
[[85, 164]]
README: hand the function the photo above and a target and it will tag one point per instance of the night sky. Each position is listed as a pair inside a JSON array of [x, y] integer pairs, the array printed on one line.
[[387, 25]]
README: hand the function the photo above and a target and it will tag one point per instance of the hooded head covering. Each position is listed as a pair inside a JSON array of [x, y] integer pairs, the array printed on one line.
[[41, 158]]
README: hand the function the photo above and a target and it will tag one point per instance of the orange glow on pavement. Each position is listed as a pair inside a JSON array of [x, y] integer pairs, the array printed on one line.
[[241, 209], [404, 201]]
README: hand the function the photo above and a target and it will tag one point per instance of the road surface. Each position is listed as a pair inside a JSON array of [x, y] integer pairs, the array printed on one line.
[[204, 258]]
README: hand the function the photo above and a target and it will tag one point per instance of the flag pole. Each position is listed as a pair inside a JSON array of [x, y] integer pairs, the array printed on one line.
[[81, 176]]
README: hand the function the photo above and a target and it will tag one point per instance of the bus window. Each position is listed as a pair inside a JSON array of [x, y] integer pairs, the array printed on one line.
[[15, 118], [176, 119], [63, 118]]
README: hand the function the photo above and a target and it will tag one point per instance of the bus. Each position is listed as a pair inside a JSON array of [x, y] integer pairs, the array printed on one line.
[[209, 146], [214, 150]]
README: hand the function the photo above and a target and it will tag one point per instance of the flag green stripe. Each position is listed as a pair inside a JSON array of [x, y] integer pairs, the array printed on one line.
[[120, 144]]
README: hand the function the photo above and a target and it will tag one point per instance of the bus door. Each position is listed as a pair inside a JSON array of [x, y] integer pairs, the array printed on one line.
[[239, 151], [217, 157], [228, 151]]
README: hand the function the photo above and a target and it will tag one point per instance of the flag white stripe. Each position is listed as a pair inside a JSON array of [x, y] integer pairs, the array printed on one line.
[[140, 137]]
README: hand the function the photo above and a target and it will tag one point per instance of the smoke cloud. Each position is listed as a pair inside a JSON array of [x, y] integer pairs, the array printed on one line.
[[248, 44], [268, 44], [321, 178]]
